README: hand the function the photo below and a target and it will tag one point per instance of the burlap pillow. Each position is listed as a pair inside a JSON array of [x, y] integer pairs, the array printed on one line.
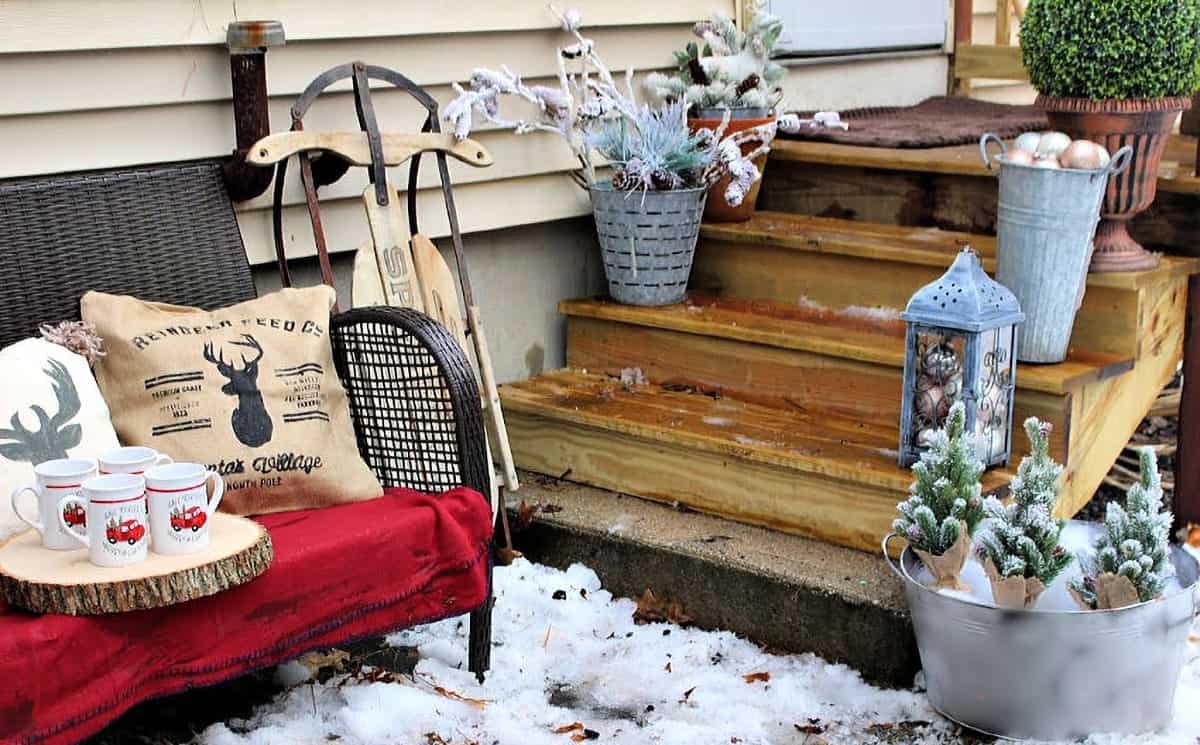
[[250, 390]]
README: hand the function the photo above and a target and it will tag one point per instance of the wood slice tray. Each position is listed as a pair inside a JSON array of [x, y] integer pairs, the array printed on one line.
[[45, 581]]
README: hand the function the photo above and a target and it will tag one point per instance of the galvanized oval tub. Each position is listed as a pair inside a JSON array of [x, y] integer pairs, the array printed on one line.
[[1051, 675], [647, 241], [1045, 222]]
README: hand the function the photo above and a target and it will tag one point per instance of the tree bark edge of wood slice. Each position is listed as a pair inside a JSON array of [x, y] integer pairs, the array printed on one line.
[[222, 572]]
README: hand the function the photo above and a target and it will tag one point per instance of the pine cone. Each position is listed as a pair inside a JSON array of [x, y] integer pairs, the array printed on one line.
[[696, 70], [662, 179], [623, 180], [750, 83]]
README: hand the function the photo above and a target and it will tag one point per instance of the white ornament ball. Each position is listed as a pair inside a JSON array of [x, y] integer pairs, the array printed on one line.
[[1082, 154], [932, 404], [1019, 157], [1052, 144], [925, 438], [1027, 142]]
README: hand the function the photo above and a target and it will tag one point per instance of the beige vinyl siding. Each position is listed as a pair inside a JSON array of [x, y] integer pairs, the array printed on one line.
[[93, 84], [99, 85]]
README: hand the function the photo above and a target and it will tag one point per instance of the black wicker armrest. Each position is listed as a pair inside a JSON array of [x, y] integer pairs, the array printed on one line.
[[413, 399]]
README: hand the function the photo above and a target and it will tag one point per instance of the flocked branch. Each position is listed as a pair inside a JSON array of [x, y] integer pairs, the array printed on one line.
[[595, 113]]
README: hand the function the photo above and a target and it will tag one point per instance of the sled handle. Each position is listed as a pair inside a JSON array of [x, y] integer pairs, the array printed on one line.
[[1117, 163], [983, 150], [887, 557]]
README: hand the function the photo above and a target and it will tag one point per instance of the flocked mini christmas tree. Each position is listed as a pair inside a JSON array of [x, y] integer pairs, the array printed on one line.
[[1131, 560], [944, 504], [1019, 542]]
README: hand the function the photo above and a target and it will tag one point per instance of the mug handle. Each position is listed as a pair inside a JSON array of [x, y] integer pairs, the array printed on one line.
[[84, 539], [218, 490], [163, 460], [15, 493]]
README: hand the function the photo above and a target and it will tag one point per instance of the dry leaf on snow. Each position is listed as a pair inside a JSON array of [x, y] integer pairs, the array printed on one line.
[[759, 677], [572, 727], [651, 609]]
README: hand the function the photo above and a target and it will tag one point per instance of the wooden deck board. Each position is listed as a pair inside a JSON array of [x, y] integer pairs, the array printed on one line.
[[901, 243], [827, 477], [1175, 173], [880, 341]]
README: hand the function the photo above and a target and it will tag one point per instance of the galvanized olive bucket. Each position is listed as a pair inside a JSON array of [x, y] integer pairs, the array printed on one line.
[[647, 241], [1044, 227], [1051, 675]]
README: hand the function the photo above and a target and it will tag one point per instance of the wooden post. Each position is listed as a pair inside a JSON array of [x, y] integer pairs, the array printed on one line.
[[1187, 457], [963, 12], [1003, 23]]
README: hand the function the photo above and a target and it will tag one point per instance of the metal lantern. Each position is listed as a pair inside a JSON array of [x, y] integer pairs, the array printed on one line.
[[960, 344]]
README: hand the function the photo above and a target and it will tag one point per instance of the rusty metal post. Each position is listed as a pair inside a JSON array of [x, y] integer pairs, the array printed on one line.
[[248, 42]]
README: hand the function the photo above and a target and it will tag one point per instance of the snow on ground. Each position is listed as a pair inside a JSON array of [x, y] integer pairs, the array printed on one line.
[[569, 654]]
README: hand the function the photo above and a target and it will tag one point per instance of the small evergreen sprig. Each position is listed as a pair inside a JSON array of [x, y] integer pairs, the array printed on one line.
[[1134, 544], [947, 490], [1022, 538]]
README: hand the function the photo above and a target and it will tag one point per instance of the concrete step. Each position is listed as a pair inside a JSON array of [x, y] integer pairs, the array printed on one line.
[[783, 591], [834, 478]]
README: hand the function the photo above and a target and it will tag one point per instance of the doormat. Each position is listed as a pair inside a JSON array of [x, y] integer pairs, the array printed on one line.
[[940, 121]]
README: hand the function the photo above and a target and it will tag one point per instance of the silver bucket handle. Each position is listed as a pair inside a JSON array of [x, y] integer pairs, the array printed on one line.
[[983, 152], [1117, 163], [886, 557]]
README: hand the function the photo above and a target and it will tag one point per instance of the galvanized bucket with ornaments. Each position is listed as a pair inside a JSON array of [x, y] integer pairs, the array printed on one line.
[[1052, 674], [1044, 227]]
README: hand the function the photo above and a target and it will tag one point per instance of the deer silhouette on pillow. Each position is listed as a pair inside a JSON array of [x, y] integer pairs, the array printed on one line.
[[251, 423], [54, 436]]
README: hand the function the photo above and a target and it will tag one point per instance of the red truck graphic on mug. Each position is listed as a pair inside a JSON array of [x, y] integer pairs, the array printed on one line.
[[128, 531], [193, 518]]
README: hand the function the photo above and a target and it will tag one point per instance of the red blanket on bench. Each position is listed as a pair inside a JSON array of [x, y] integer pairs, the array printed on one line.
[[339, 573]]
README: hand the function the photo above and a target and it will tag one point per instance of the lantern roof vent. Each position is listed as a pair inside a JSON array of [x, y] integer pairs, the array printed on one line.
[[964, 298]]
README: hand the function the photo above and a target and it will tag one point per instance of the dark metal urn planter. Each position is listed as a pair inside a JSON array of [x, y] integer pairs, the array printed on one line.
[[740, 119], [1143, 125]]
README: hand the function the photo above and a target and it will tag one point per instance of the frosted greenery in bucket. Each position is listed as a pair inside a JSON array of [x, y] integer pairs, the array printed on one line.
[[1019, 542], [944, 506]]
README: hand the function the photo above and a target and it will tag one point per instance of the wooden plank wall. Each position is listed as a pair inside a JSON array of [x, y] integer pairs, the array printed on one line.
[[98, 85]]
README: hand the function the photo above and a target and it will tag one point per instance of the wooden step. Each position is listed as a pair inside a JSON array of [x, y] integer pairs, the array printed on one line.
[[828, 477], [949, 188], [868, 337], [793, 259]]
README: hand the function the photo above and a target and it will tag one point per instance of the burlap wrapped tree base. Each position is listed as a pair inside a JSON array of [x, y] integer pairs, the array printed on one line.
[[1112, 591], [45, 581], [947, 567], [1013, 592]]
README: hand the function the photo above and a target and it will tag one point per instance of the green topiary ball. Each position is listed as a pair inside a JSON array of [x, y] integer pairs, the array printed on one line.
[[1100, 49]]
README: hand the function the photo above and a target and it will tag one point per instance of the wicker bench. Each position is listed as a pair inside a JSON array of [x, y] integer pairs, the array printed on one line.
[[168, 233]]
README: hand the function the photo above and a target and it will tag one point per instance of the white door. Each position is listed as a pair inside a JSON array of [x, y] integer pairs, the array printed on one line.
[[819, 27]]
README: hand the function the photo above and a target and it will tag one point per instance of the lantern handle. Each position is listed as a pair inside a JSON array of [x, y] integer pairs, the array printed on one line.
[[983, 152], [1117, 163]]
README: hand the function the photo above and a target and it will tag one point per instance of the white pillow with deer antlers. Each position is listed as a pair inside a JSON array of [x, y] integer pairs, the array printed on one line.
[[50, 407]]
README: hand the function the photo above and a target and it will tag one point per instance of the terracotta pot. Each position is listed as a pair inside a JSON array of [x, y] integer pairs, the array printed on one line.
[[1142, 124], [717, 209]]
